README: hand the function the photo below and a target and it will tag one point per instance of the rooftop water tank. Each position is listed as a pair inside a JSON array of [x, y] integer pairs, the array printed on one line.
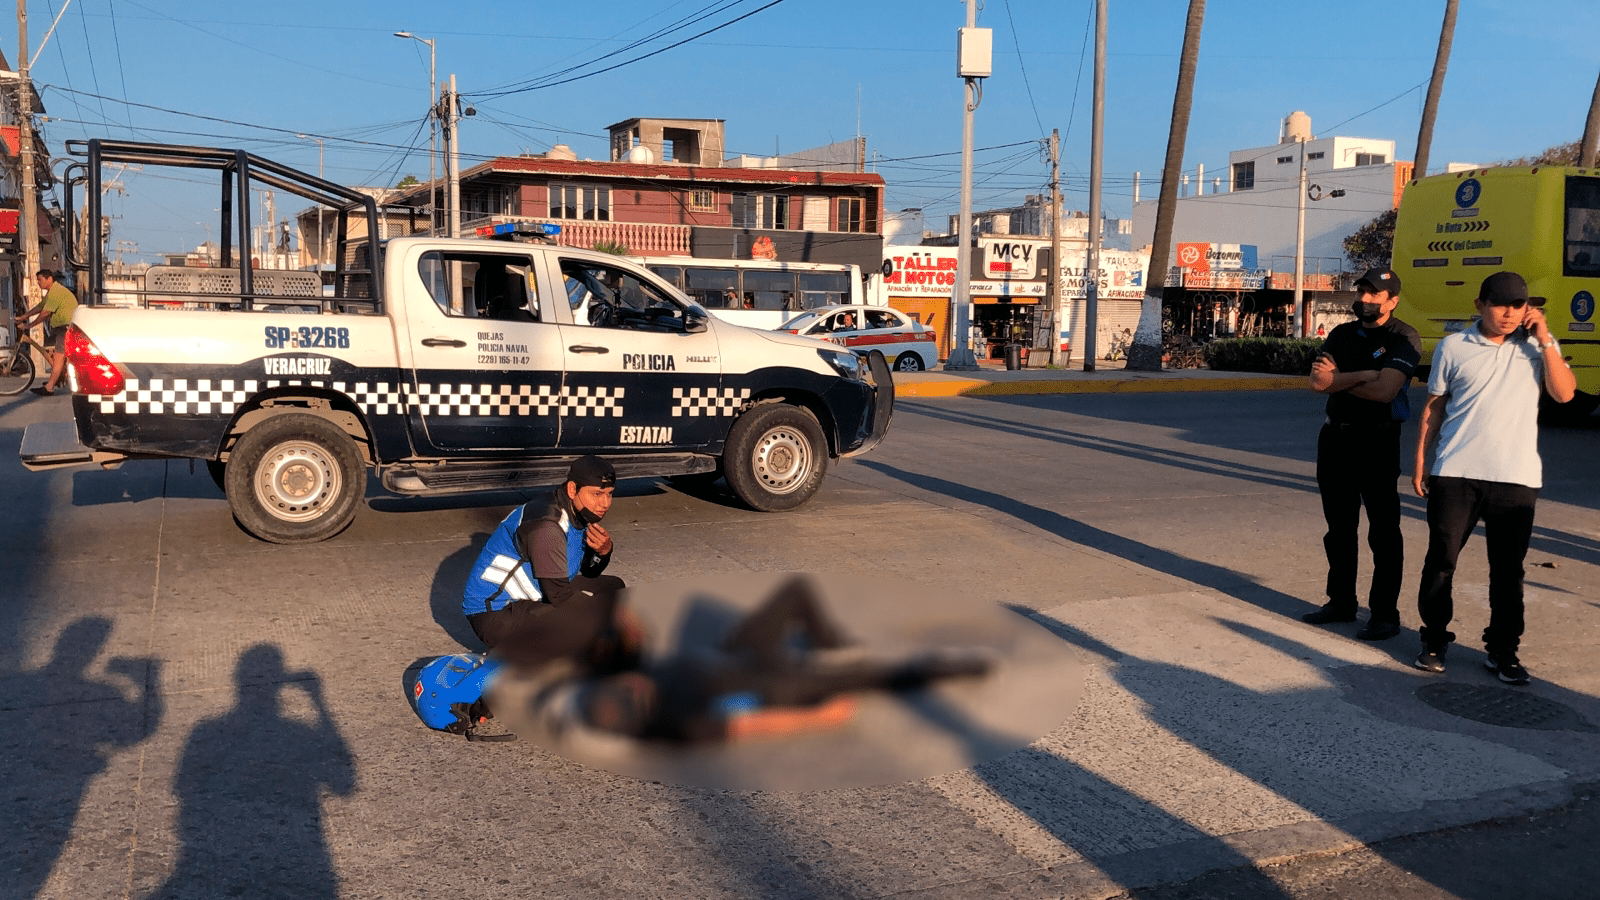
[[1297, 127]]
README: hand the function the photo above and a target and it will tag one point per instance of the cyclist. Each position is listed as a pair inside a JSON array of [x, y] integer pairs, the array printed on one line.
[[55, 310]]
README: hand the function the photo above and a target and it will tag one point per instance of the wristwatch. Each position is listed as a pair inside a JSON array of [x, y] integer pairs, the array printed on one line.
[[1548, 344]]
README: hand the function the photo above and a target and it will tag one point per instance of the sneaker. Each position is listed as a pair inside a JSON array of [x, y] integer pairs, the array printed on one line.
[[1431, 660], [1328, 614], [1506, 666], [1378, 631]]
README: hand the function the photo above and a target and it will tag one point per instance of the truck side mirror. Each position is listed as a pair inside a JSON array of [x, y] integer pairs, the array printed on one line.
[[693, 322]]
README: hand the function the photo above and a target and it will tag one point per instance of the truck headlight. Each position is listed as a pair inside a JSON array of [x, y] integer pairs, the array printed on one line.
[[845, 363]]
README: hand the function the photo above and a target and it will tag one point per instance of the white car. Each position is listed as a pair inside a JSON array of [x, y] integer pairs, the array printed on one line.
[[909, 345]]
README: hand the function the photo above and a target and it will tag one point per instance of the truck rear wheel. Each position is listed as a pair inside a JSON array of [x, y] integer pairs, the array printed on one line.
[[775, 457], [294, 479]]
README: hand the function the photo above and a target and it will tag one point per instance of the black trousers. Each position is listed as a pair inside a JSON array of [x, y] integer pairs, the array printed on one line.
[[1455, 506], [1356, 466], [528, 634]]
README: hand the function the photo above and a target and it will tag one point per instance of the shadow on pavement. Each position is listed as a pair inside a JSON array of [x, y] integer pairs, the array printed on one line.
[[250, 787], [62, 728], [1207, 575]]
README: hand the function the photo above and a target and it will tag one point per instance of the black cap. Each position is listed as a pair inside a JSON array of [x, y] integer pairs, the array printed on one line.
[[1381, 280], [592, 471], [1502, 288]]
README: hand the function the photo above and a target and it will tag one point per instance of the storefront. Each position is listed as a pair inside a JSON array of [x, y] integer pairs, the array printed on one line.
[[1010, 292]]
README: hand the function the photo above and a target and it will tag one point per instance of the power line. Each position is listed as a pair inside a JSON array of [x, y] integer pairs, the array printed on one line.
[[629, 62], [1018, 44]]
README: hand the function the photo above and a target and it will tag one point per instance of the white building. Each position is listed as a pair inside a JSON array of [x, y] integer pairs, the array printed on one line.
[[1349, 181]]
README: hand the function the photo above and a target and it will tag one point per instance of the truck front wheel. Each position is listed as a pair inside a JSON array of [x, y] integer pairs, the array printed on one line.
[[775, 457], [294, 479]]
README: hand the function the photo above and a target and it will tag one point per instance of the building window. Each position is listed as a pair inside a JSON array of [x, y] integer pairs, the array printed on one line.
[[770, 211], [703, 201], [1285, 159], [490, 201], [1316, 155], [1244, 176], [579, 201], [849, 214], [1371, 159]]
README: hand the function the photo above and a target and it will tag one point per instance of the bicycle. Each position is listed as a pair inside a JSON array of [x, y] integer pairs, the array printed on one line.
[[17, 369]]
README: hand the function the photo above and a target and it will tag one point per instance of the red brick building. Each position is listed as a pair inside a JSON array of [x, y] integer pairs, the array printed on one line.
[[667, 191]]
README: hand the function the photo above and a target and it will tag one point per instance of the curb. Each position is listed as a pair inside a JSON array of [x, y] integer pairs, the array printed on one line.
[[955, 386]]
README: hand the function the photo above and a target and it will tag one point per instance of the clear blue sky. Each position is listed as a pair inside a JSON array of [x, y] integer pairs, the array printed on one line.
[[799, 74]]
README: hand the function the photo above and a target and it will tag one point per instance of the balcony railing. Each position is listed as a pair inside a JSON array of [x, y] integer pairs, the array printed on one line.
[[641, 239]]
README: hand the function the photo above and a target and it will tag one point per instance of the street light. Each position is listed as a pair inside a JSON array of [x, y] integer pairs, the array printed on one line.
[[432, 118], [320, 243]]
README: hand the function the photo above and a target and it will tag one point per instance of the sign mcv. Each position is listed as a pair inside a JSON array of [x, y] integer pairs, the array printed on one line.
[[1008, 259]]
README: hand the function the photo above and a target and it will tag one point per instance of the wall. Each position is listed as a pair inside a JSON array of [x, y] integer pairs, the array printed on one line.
[[1265, 216]]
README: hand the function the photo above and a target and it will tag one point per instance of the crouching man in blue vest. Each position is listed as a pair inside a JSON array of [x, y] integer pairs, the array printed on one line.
[[543, 557]]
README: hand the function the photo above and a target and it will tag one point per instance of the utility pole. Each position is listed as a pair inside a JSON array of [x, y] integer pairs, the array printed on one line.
[[1298, 329], [1096, 145], [974, 61], [30, 208], [453, 162], [1058, 305]]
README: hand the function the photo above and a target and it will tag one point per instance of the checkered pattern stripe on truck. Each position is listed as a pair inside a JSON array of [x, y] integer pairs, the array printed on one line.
[[709, 402], [205, 396]]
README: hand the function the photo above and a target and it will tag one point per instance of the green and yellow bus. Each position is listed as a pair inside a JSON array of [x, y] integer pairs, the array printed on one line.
[[1542, 222]]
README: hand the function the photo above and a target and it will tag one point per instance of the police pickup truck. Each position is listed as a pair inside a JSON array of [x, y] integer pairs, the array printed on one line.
[[448, 365]]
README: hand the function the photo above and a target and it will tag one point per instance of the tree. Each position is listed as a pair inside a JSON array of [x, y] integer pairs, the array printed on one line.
[[615, 248], [1372, 246], [1145, 353], [1430, 108], [408, 181], [1559, 155]]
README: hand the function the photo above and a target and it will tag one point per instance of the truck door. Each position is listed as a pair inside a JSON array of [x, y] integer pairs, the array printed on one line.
[[485, 359], [637, 377]]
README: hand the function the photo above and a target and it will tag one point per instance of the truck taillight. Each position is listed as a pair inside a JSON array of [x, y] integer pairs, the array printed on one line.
[[95, 374]]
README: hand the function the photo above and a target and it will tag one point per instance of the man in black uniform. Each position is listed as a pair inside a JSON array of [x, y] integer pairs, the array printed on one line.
[[1364, 367]]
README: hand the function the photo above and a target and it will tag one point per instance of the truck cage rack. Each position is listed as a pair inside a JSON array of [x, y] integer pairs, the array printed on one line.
[[236, 283]]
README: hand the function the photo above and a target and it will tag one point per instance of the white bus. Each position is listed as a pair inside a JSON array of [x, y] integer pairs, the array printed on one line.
[[759, 293]]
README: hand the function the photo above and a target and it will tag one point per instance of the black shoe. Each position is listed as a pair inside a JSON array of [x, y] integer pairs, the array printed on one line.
[[1378, 631], [1505, 665], [1431, 660], [1327, 615], [42, 392]]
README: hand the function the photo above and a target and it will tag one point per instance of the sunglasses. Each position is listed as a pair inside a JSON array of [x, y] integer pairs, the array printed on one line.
[[1509, 304]]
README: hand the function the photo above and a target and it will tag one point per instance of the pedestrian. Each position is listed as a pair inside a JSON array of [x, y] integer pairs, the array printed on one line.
[[1364, 367], [55, 311], [1483, 411]]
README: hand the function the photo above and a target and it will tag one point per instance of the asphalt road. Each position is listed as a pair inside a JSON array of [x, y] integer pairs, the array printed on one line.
[[187, 712]]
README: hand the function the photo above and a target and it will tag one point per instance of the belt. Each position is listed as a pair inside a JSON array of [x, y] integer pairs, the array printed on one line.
[[1362, 426]]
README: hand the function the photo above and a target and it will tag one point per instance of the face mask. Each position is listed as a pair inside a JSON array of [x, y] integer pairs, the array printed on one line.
[[586, 517], [1368, 313]]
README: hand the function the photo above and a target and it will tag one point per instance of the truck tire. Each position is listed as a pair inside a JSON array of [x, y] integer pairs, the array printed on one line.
[[294, 479], [775, 457]]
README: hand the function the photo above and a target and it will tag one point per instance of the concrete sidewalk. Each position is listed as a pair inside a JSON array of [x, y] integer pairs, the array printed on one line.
[[992, 379]]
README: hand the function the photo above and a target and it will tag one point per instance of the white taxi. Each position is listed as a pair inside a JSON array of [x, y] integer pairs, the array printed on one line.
[[909, 345]]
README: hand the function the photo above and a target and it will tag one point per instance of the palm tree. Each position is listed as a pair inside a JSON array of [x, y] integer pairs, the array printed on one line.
[[1145, 353], [1430, 108], [1591, 131]]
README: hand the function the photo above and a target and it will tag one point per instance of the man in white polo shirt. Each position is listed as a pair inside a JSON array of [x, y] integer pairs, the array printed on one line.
[[1483, 409]]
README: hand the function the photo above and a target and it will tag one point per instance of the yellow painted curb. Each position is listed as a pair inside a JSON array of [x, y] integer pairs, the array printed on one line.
[[942, 388]]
